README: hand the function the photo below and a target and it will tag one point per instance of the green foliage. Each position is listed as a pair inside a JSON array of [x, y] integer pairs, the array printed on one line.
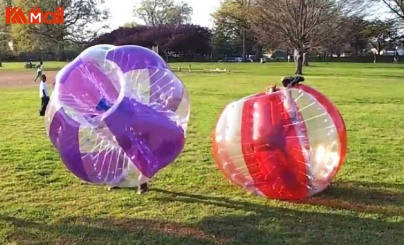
[[163, 12], [190, 202], [380, 33], [230, 22], [24, 37], [130, 24], [20, 66], [79, 15], [5, 31]]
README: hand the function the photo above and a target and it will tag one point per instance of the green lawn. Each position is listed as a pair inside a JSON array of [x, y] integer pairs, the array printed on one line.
[[15, 66], [190, 201]]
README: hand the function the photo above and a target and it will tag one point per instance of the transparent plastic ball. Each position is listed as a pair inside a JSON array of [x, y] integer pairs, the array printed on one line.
[[287, 144], [117, 115]]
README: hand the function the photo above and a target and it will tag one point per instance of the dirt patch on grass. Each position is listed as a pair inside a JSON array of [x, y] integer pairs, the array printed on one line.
[[23, 79]]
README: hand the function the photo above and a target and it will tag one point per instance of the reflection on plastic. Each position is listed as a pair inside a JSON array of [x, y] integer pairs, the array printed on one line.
[[117, 115], [286, 145]]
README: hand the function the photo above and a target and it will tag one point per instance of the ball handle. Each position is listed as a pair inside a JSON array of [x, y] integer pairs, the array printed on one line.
[[289, 82]]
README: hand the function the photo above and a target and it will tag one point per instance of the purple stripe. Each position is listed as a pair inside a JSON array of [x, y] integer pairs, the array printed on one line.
[[64, 134], [149, 138]]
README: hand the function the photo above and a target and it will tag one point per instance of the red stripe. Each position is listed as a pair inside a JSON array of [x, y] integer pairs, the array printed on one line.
[[274, 159], [224, 161]]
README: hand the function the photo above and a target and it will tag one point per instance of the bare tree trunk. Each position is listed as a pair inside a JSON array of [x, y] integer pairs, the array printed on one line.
[[374, 58], [1, 63], [305, 59], [299, 63], [356, 51], [61, 51], [259, 52], [244, 49], [295, 54]]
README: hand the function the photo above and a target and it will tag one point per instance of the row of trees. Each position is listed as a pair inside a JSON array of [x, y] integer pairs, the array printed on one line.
[[323, 26], [164, 21], [79, 15], [163, 12], [183, 40], [241, 27]]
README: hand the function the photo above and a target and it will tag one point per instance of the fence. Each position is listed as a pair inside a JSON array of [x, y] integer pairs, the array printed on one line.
[[357, 59]]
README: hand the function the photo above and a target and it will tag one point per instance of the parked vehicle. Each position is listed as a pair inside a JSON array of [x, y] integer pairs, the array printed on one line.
[[235, 59]]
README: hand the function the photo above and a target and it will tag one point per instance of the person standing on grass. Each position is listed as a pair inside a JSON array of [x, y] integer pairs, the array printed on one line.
[[39, 70], [44, 95]]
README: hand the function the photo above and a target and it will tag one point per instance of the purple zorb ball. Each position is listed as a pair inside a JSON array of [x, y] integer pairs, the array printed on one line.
[[117, 115]]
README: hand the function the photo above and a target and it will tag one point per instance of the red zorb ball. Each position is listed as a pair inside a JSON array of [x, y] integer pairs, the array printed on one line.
[[287, 144]]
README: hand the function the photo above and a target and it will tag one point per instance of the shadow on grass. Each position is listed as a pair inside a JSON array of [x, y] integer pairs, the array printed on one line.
[[384, 76], [386, 66], [372, 198], [104, 231], [376, 198], [272, 225], [246, 222]]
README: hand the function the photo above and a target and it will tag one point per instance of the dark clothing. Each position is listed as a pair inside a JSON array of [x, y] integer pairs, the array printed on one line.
[[44, 104], [143, 188], [39, 74]]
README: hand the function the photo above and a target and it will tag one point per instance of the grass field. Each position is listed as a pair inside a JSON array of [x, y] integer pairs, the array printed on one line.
[[190, 201], [15, 66]]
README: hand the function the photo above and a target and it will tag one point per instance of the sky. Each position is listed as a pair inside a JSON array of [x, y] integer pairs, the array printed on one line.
[[121, 11]]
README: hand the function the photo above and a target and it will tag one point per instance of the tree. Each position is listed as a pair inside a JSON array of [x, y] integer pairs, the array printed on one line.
[[338, 41], [381, 34], [302, 24], [396, 7], [163, 12], [79, 15], [352, 36], [355, 33], [225, 38], [186, 40], [5, 31], [231, 19], [129, 24]]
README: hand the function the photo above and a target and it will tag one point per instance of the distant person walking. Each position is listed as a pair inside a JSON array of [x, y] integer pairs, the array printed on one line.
[[39, 70], [44, 95]]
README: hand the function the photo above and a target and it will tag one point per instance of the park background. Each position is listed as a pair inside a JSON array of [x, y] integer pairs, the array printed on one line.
[[190, 202]]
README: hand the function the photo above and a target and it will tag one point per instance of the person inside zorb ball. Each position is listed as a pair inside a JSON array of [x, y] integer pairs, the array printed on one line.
[[286, 143], [117, 115]]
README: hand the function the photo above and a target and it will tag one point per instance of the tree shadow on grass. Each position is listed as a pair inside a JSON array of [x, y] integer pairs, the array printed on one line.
[[374, 198], [378, 220], [81, 230], [383, 76], [391, 67], [274, 225]]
